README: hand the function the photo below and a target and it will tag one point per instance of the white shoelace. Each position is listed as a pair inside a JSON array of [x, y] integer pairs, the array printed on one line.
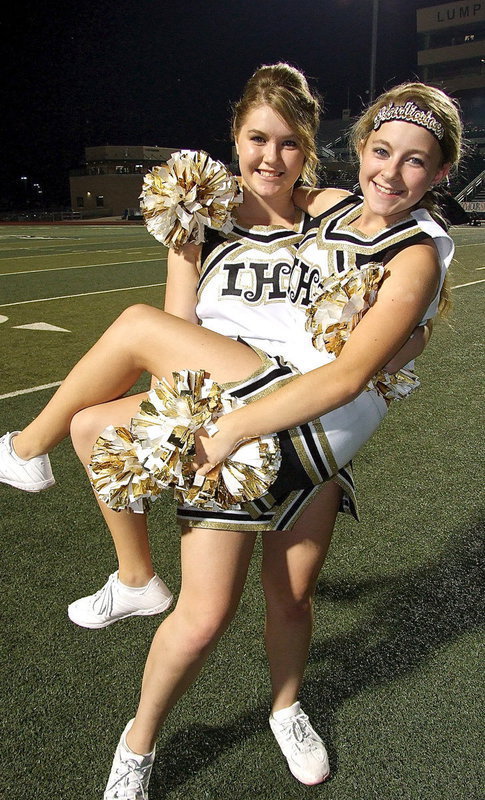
[[299, 733], [103, 599], [130, 777]]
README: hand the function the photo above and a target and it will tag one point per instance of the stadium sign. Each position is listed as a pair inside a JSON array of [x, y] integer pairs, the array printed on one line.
[[450, 14]]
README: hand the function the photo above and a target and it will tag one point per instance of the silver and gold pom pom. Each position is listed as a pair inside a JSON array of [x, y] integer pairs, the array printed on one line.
[[166, 427], [130, 468], [117, 474], [191, 192], [341, 304]]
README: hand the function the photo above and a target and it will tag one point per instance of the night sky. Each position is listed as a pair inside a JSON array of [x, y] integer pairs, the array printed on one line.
[[155, 72]]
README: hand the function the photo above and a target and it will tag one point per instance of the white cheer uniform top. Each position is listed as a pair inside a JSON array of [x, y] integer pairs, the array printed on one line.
[[332, 246], [242, 293], [256, 284], [244, 281]]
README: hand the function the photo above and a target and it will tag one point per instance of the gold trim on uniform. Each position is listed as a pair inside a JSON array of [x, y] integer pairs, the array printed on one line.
[[289, 240], [280, 511], [306, 461]]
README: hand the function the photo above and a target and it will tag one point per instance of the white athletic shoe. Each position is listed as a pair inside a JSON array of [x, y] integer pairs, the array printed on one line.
[[130, 773], [301, 745], [33, 475], [116, 601]]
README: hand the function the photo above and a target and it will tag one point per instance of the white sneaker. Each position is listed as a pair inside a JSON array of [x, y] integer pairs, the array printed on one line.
[[301, 745], [130, 773], [32, 475], [116, 601]]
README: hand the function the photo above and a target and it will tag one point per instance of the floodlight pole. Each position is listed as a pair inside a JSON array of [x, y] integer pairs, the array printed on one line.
[[372, 80]]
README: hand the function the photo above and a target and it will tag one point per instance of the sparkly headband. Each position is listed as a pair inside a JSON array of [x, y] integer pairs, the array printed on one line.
[[410, 112]]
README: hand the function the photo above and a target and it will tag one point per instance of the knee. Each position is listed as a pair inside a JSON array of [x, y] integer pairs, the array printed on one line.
[[136, 317], [84, 432], [200, 632], [295, 610], [289, 606]]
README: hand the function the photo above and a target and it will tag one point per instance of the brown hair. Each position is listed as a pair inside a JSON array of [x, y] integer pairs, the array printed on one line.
[[285, 89], [427, 98], [446, 110]]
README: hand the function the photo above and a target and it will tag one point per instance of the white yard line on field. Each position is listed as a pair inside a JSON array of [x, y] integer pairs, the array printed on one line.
[[84, 294], [29, 391], [83, 266], [133, 288], [27, 252], [52, 385], [472, 283]]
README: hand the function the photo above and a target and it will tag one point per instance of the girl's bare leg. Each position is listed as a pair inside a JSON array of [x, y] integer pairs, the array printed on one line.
[[129, 531], [292, 561], [214, 569], [291, 564], [142, 338]]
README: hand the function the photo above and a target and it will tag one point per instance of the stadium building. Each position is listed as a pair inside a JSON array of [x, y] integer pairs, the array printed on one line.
[[110, 183], [450, 54]]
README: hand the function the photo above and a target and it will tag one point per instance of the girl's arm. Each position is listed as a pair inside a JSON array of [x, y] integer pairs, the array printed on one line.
[[182, 277], [411, 283], [412, 348], [316, 201], [181, 286]]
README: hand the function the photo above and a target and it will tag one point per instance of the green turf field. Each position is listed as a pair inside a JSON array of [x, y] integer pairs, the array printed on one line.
[[394, 677]]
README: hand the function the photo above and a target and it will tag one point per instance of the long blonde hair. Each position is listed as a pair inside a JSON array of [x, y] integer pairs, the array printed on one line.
[[446, 110], [284, 89]]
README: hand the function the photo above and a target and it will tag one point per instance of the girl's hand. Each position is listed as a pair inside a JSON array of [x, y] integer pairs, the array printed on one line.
[[211, 450], [412, 348]]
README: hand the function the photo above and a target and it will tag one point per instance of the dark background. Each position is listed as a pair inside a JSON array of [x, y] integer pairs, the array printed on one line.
[[154, 72]]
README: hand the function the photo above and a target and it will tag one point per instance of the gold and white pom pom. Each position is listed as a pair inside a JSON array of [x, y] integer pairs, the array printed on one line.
[[191, 192], [340, 306], [396, 385], [165, 427], [167, 422], [244, 475], [117, 474], [342, 301]]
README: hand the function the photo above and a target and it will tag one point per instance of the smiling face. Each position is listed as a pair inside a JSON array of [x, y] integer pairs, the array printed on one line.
[[270, 155], [398, 164]]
